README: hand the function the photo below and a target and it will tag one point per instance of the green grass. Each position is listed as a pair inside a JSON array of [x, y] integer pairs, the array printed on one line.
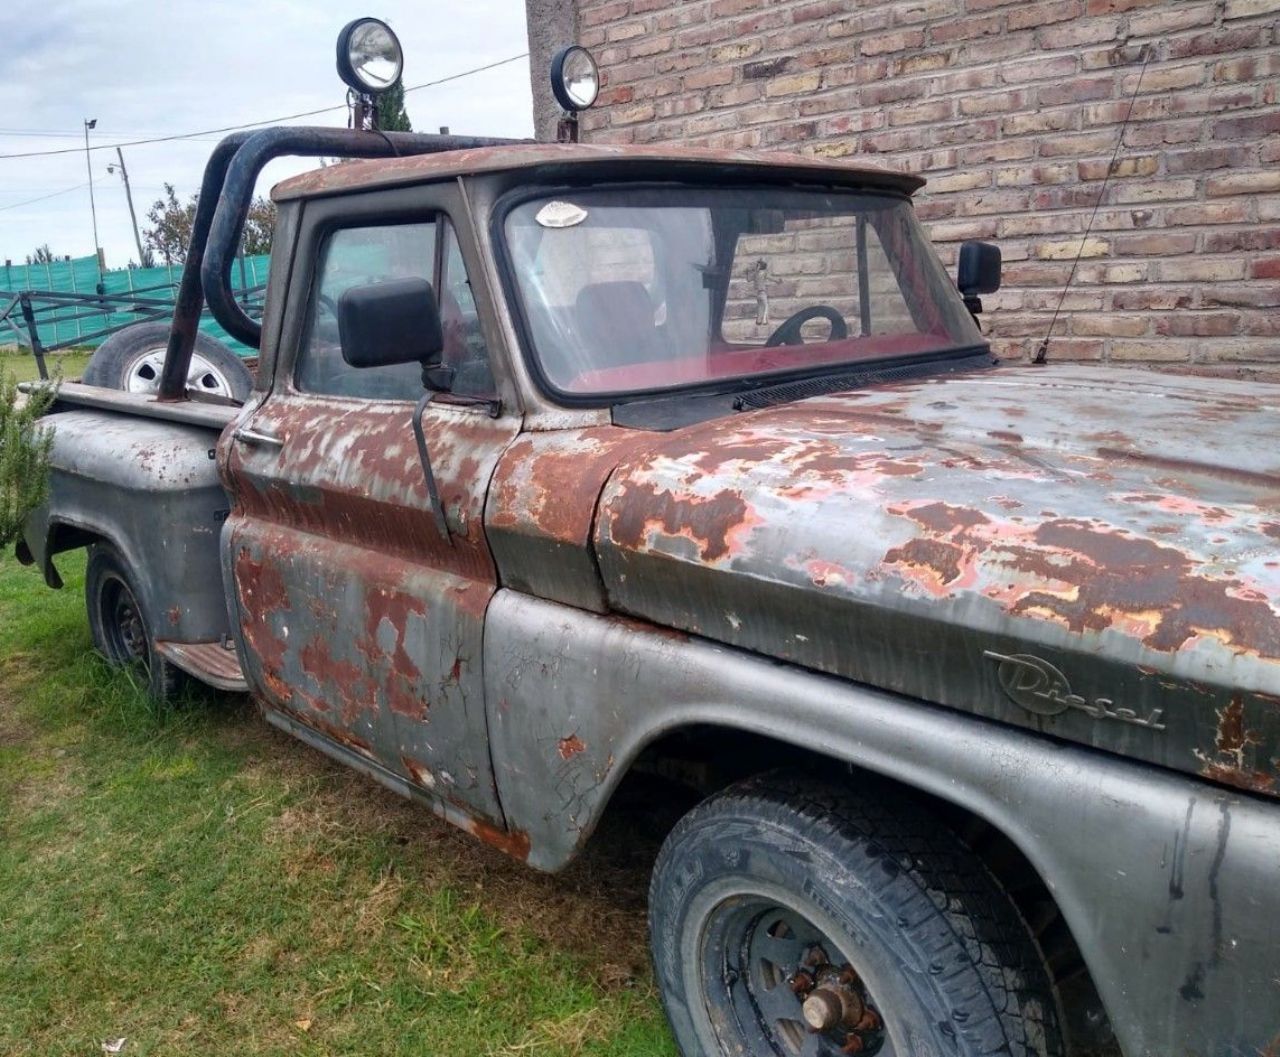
[[22, 365], [195, 882]]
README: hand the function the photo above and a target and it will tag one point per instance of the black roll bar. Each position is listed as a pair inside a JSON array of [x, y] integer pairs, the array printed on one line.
[[226, 193]]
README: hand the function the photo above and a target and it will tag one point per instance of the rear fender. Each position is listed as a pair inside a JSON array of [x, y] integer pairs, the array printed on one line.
[[150, 489]]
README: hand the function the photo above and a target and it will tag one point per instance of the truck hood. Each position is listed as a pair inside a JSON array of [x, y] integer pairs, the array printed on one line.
[[1092, 553]]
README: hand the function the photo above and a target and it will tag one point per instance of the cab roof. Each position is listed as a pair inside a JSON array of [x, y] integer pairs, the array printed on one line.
[[417, 168]]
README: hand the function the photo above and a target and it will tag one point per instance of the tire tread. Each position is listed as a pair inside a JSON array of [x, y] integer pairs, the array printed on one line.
[[955, 896]]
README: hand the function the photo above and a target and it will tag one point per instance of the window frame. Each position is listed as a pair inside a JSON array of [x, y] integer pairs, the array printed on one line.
[[417, 203], [510, 287], [318, 262]]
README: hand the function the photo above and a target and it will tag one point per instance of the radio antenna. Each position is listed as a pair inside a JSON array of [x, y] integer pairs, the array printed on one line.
[[1042, 353]]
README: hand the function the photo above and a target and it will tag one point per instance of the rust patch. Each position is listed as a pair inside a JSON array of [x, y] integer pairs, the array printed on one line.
[[418, 773], [661, 631], [276, 684], [332, 731], [263, 592], [571, 747], [402, 681], [514, 842], [353, 473], [1087, 575], [938, 559], [174, 615], [1115, 573], [415, 168], [344, 681], [710, 523], [942, 518], [262, 588], [1233, 742], [890, 468]]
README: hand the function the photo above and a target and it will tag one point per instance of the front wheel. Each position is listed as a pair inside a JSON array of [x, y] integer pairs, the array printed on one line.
[[792, 918], [120, 626]]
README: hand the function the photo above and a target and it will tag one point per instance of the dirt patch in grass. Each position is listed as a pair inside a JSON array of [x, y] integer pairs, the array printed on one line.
[[595, 909]]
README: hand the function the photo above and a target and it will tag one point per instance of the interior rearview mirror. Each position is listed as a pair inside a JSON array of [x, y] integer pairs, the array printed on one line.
[[396, 321], [979, 268]]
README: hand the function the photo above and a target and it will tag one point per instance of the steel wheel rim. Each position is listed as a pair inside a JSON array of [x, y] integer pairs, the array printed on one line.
[[202, 376], [765, 965], [122, 618]]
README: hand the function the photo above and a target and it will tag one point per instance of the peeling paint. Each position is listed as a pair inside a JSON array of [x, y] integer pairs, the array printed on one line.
[[571, 746], [891, 537]]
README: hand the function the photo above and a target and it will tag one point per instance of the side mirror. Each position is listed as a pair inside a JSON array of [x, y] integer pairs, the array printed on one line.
[[397, 321], [978, 272]]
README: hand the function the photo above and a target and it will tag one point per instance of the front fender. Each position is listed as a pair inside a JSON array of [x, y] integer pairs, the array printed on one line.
[[1167, 883]]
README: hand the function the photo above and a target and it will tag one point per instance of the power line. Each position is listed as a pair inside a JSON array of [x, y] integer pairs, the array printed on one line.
[[53, 133], [54, 194], [255, 124]]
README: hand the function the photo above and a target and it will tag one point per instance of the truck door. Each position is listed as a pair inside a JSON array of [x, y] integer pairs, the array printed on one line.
[[359, 620]]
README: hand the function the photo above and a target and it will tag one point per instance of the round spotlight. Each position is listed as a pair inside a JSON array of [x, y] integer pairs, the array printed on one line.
[[575, 78], [369, 55]]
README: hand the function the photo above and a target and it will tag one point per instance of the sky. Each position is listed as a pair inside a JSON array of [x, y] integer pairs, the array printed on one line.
[[147, 68]]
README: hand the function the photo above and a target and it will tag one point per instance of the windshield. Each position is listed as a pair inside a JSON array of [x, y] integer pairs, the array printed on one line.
[[631, 290]]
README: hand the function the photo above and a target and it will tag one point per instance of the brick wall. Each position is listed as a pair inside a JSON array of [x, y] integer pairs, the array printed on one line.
[[1012, 111]]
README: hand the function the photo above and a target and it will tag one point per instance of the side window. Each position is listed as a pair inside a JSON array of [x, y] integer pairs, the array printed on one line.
[[356, 257], [464, 346]]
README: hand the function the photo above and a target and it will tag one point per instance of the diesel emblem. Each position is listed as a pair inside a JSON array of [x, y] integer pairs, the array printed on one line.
[[1039, 687]]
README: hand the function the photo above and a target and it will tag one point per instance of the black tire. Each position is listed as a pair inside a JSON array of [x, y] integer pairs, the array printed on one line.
[[112, 364], [121, 628], [923, 934]]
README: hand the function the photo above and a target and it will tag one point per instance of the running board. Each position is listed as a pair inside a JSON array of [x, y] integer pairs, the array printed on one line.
[[210, 662]]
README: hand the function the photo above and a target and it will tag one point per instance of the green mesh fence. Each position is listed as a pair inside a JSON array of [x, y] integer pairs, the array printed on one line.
[[77, 320]]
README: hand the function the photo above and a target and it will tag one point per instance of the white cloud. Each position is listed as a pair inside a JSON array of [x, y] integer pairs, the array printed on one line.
[[145, 69]]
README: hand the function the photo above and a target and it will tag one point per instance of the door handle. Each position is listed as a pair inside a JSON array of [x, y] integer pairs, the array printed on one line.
[[256, 439]]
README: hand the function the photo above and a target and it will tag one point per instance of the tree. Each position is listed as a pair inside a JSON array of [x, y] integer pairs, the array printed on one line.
[[170, 232], [24, 455], [42, 255], [171, 222], [392, 116], [259, 226]]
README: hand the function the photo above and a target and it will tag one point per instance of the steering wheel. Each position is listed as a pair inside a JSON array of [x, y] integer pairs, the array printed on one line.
[[788, 332]]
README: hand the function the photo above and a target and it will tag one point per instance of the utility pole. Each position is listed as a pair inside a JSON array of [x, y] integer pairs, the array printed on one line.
[[128, 194], [93, 209]]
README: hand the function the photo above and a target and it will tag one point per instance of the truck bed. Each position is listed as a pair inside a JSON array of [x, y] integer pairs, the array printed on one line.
[[144, 405]]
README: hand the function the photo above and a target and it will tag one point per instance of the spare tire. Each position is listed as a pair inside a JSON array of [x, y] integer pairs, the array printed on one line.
[[131, 359]]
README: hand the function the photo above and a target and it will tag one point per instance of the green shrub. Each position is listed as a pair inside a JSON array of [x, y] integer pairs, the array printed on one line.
[[24, 454]]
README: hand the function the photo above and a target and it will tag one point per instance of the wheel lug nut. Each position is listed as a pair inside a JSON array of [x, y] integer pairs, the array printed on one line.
[[822, 1010]]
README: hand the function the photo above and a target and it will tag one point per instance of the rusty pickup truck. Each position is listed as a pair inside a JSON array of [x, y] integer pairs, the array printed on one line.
[[569, 463]]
